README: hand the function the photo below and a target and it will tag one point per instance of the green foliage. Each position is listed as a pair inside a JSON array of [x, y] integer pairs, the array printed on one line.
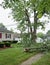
[[40, 34], [18, 7], [48, 36], [42, 24], [48, 32], [1, 42], [22, 10], [26, 40]]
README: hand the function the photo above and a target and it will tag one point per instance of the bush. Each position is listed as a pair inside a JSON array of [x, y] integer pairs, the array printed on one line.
[[8, 44], [14, 42], [10, 41], [5, 44], [2, 45], [48, 47], [7, 41]]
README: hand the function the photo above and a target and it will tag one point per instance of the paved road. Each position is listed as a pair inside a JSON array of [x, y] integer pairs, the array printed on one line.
[[32, 59]]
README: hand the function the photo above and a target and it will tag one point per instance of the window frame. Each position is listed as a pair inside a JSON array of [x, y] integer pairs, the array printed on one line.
[[8, 35]]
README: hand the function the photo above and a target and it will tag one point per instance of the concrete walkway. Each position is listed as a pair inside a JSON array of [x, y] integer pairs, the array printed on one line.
[[32, 59]]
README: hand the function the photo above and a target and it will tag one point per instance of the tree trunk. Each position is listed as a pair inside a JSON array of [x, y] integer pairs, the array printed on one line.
[[33, 33], [35, 26], [29, 23]]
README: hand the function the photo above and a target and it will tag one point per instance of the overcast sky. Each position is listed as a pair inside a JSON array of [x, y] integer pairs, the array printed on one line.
[[9, 21]]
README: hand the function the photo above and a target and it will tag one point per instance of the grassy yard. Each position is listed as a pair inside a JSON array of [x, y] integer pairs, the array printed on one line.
[[14, 55], [45, 60]]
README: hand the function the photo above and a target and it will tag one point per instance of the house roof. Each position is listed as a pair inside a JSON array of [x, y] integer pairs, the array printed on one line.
[[5, 30]]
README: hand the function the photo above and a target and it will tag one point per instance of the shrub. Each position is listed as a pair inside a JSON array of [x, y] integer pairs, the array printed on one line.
[[8, 44], [2, 45], [14, 41]]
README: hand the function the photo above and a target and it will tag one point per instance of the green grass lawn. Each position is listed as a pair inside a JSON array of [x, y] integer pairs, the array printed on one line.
[[14, 55], [45, 60]]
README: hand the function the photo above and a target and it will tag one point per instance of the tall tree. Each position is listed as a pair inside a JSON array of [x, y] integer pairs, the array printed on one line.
[[22, 10]]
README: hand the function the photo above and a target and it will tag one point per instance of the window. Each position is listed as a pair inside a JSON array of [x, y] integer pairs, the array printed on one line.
[[0, 35], [8, 35]]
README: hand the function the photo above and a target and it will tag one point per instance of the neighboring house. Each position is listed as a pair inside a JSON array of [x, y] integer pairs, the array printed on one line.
[[39, 40], [5, 35]]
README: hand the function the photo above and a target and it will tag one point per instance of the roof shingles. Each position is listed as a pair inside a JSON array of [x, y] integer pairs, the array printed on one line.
[[5, 30]]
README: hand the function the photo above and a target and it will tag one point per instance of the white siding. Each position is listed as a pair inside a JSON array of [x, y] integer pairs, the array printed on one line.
[[4, 37], [0, 38]]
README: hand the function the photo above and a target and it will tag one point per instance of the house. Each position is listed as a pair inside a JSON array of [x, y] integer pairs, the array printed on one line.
[[39, 40], [5, 35]]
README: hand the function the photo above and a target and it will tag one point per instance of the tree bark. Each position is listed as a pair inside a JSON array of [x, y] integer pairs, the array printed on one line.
[[33, 33], [26, 12], [29, 24], [35, 26]]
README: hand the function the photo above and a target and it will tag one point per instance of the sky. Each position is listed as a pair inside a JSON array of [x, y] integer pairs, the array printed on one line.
[[6, 20], [9, 22]]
